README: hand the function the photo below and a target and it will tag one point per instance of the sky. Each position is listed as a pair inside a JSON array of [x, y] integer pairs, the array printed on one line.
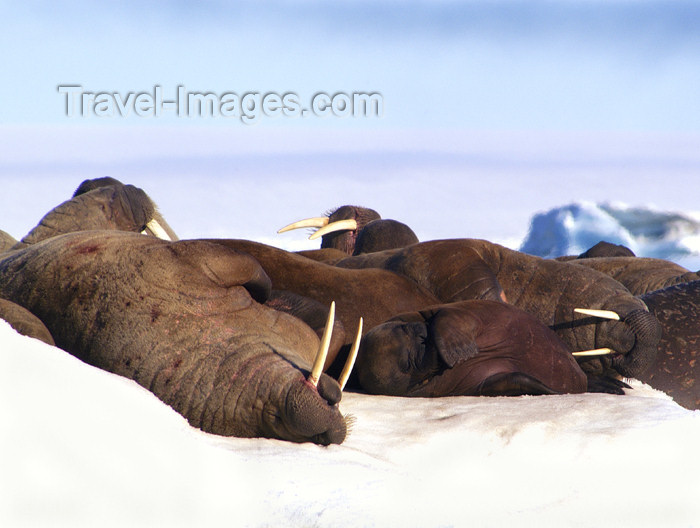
[[503, 65]]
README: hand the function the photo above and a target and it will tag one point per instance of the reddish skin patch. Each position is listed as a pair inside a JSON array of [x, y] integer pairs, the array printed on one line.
[[86, 250], [310, 385]]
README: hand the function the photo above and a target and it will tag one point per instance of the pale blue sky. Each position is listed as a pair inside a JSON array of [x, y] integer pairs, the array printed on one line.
[[568, 65]]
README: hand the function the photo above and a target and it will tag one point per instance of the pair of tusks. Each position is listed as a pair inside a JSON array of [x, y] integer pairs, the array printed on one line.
[[320, 360], [322, 222], [157, 230], [603, 314]]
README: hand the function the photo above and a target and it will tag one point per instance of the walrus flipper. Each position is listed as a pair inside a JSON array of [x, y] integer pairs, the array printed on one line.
[[512, 384], [606, 385]]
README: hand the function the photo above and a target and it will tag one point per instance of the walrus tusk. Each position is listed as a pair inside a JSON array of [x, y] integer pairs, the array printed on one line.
[[157, 230], [594, 352], [317, 221], [347, 369], [323, 349], [604, 314], [340, 225]]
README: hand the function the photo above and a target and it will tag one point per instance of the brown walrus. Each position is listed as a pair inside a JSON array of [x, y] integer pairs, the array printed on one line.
[[6, 241], [640, 274], [354, 230], [184, 320], [104, 203], [468, 348], [677, 367], [24, 322]]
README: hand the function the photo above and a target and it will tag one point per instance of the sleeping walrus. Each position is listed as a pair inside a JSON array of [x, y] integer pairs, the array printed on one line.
[[185, 320], [468, 348]]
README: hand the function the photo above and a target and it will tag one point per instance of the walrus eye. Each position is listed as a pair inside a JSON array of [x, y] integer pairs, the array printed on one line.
[[417, 354]]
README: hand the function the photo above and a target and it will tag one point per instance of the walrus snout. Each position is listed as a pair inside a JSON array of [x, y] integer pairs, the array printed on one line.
[[647, 332], [311, 413]]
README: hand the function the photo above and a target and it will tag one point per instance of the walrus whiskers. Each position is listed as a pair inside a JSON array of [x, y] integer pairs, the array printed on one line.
[[347, 369], [320, 360], [154, 227], [603, 314], [594, 352], [340, 225], [316, 221]]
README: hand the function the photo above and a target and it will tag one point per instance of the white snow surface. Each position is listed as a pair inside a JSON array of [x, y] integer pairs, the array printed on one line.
[[83, 447]]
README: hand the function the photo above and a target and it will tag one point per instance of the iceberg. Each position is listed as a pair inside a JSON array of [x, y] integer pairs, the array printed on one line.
[[572, 229]]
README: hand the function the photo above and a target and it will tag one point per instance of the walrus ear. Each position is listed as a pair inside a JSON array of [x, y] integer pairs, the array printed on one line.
[[452, 336]]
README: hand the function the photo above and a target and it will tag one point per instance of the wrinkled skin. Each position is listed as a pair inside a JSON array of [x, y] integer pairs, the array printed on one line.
[[314, 314], [463, 269], [373, 294], [6, 241], [184, 320], [640, 275], [677, 369], [24, 322], [96, 206], [469, 348]]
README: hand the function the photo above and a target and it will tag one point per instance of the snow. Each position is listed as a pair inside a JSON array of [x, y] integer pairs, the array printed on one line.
[[82, 447]]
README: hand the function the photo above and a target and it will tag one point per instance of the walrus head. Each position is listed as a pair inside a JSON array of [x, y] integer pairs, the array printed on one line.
[[104, 203], [633, 335]]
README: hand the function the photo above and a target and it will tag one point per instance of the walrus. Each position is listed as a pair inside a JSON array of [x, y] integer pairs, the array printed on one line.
[[6, 241], [24, 322], [677, 368], [463, 269], [640, 274], [467, 348], [103, 203], [354, 230], [184, 320]]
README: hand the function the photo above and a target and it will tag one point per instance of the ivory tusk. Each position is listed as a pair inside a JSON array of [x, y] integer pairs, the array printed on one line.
[[604, 314], [320, 360], [157, 230], [347, 369], [340, 225], [317, 221], [594, 352]]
